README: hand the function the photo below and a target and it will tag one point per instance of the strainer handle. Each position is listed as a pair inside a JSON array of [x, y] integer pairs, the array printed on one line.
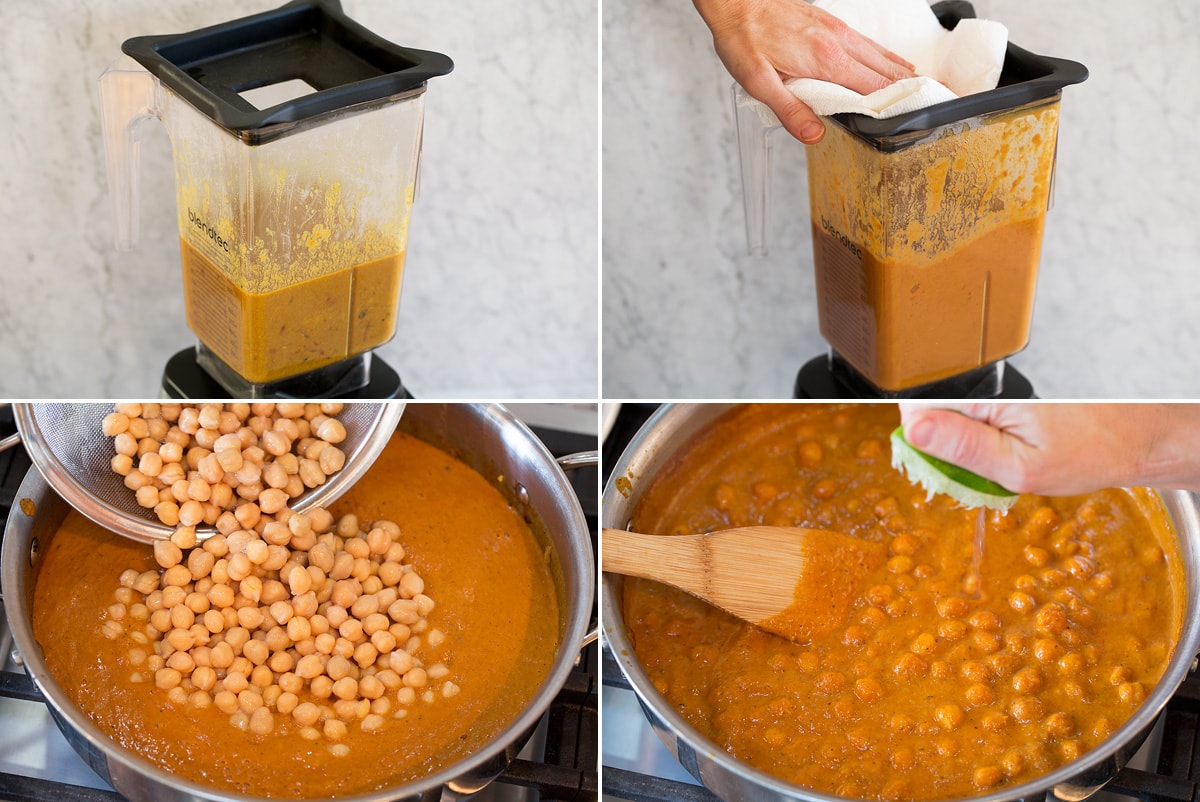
[[12, 439]]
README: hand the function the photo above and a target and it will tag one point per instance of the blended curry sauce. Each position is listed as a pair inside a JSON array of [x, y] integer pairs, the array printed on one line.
[[926, 256], [497, 605], [294, 328], [926, 690]]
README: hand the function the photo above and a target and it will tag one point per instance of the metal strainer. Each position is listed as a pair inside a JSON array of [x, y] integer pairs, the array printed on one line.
[[67, 445]]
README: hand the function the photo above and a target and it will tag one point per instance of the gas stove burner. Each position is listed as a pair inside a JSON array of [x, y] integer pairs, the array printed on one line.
[[832, 377], [368, 377]]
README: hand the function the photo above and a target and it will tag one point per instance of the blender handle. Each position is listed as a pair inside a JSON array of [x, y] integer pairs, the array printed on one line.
[[129, 95], [754, 151]]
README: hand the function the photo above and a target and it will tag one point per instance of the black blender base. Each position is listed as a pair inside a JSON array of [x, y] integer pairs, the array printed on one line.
[[818, 379], [184, 378]]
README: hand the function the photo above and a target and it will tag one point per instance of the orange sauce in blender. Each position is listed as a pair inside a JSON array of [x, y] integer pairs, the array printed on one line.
[[903, 324], [926, 255]]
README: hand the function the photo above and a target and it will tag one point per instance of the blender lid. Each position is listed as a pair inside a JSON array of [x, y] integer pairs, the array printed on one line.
[[1026, 77], [309, 40]]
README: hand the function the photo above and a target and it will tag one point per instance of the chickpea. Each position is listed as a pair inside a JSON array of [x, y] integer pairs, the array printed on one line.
[[980, 695], [910, 665], [415, 678], [1131, 692], [146, 583], [950, 716], [951, 606], [221, 655], [1051, 619], [1060, 726], [256, 651], [1026, 709], [987, 776], [167, 678], [994, 722], [345, 688], [365, 654], [262, 677], [335, 729], [306, 714], [925, 644], [404, 611], [400, 661], [309, 667], [351, 629], [384, 641], [330, 460], [1027, 681], [411, 585], [226, 702]]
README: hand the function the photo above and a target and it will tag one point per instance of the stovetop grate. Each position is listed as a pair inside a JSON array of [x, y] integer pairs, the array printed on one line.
[[1177, 774], [569, 770]]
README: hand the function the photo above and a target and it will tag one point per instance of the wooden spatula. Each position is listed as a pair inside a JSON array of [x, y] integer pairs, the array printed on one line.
[[798, 583]]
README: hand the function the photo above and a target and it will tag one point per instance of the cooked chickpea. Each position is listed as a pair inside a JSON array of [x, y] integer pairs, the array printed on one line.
[[277, 603], [335, 729], [925, 644], [415, 678], [1131, 692], [1060, 725], [1027, 681], [980, 695]]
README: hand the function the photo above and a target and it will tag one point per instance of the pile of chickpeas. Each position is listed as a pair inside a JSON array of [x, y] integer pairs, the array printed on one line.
[[281, 616], [192, 464]]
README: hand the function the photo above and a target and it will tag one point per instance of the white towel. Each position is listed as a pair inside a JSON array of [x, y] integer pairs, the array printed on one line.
[[949, 64]]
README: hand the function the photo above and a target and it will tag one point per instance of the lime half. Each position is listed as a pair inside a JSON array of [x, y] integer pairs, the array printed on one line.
[[938, 476]]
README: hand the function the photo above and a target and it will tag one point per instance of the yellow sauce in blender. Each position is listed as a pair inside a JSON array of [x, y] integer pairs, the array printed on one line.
[[297, 327]]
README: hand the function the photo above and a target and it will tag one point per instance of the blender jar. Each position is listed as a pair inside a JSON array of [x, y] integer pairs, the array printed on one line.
[[293, 218], [927, 227]]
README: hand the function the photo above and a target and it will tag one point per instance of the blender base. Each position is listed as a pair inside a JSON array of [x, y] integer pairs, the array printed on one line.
[[829, 377], [183, 377]]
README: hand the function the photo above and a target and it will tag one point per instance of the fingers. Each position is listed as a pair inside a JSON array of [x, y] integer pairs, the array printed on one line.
[[966, 442], [796, 117], [869, 67], [906, 67]]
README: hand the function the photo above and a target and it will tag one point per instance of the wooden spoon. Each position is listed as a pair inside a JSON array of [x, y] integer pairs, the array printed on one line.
[[798, 583]]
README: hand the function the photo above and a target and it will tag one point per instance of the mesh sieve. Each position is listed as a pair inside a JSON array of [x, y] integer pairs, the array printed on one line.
[[67, 445]]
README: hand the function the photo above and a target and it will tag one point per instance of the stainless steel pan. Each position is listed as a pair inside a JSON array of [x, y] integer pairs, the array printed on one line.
[[486, 437], [663, 435]]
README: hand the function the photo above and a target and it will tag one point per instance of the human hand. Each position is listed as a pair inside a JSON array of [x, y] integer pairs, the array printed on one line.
[[764, 42], [1063, 449]]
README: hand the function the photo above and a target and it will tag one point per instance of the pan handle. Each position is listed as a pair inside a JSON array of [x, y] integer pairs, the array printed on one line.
[[590, 637], [580, 459], [570, 462]]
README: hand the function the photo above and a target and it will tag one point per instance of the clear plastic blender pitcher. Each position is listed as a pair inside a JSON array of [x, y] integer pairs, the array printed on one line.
[[926, 227], [296, 137]]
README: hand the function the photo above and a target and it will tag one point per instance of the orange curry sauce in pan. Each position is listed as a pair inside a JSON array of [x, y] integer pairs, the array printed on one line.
[[927, 691], [497, 605]]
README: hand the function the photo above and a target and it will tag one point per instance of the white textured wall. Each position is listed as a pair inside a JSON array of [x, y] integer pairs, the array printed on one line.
[[688, 314], [500, 288]]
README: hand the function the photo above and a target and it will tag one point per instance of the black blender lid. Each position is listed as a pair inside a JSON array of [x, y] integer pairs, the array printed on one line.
[[309, 40], [1025, 78]]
